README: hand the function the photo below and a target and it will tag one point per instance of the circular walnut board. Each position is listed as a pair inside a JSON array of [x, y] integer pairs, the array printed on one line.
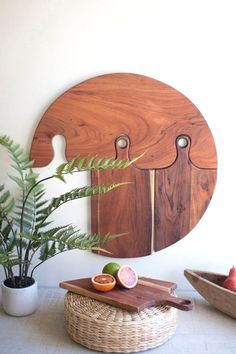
[[126, 115]]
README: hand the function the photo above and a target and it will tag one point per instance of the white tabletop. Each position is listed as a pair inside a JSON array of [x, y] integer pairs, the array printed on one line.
[[201, 331]]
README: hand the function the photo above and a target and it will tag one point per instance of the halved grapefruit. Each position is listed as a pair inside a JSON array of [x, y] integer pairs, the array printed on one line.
[[103, 282], [127, 277]]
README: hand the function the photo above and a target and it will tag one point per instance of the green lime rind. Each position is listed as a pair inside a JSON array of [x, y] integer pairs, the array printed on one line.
[[111, 268]]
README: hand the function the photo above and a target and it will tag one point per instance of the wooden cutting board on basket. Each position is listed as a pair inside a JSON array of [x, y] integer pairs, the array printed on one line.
[[148, 292], [126, 115]]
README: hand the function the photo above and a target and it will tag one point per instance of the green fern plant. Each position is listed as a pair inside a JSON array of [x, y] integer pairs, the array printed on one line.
[[24, 222]]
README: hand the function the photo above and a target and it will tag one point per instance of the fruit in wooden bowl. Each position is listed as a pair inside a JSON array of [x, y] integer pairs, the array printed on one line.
[[210, 286], [230, 281]]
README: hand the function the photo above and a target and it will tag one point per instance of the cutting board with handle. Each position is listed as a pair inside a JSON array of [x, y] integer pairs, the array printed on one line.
[[148, 292], [124, 208], [127, 115]]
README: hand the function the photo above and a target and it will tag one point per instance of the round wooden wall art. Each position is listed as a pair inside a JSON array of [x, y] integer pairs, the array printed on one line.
[[125, 115]]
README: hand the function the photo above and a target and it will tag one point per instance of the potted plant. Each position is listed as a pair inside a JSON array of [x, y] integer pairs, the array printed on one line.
[[25, 231]]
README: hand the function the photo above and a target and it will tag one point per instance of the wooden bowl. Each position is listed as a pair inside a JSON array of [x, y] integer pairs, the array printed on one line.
[[210, 286]]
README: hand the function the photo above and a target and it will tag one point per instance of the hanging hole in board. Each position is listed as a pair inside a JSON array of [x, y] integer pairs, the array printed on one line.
[[182, 142], [59, 147]]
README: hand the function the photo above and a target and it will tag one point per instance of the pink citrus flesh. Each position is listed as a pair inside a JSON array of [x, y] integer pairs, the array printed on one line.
[[127, 277]]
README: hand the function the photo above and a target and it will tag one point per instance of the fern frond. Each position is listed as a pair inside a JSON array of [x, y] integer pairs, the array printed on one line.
[[6, 230], [11, 240], [25, 218], [7, 202], [78, 164], [76, 193], [10, 261], [49, 234], [67, 238], [20, 158]]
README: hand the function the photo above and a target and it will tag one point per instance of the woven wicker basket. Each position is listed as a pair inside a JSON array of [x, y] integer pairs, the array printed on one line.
[[105, 328]]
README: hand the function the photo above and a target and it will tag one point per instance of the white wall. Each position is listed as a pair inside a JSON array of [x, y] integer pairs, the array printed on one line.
[[48, 46]]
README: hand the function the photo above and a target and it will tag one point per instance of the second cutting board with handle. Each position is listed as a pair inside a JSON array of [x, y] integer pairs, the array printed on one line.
[[128, 115], [148, 292]]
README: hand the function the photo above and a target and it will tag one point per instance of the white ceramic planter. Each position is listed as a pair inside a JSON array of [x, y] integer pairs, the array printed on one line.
[[20, 301]]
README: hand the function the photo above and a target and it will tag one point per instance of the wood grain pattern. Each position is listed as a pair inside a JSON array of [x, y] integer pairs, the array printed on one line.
[[203, 183], [125, 210], [209, 285], [182, 194], [154, 212], [94, 113], [159, 284], [135, 299]]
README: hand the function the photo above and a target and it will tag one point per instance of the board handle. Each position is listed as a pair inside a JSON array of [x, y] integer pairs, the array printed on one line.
[[179, 303]]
